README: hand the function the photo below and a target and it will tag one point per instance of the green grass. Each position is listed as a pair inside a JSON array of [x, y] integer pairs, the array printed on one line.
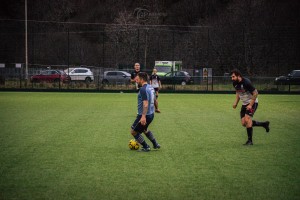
[[74, 146]]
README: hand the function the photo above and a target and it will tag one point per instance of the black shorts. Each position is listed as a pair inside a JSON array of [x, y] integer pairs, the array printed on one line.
[[250, 112], [138, 127], [156, 89]]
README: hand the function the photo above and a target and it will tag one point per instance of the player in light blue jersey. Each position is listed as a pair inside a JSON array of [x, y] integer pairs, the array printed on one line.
[[145, 115]]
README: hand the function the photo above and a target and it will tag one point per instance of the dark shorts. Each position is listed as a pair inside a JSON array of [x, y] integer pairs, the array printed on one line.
[[156, 89], [138, 127], [250, 112]]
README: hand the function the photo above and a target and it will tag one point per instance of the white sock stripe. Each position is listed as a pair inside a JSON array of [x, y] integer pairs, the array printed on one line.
[[140, 139]]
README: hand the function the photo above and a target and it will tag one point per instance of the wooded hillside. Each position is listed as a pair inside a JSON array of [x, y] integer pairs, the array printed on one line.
[[258, 36]]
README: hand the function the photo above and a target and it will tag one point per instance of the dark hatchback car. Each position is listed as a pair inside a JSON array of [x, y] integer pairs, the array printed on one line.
[[50, 76], [178, 77], [291, 79]]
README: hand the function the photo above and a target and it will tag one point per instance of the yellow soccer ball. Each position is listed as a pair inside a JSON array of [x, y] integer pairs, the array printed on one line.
[[133, 144]]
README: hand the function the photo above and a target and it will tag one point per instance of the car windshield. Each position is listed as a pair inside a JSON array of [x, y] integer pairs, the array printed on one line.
[[125, 73], [68, 70], [163, 69], [295, 73], [61, 72], [44, 73], [185, 73], [169, 74]]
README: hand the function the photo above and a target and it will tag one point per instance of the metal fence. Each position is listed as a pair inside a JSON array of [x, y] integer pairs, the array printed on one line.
[[14, 78]]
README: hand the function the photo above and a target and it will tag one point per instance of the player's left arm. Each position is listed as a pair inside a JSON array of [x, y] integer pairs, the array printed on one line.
[[145, 110], [237, 99], [159, 82], [254, 96], [145, 105], [132, 78], [249, 87]]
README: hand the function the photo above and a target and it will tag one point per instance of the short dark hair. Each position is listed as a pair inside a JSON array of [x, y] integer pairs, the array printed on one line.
[[236, 72], [143, 75]]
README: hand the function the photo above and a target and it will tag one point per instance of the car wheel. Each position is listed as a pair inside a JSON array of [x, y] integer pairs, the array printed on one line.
[[183, 83], [34, 81], [88, 80], [105, 82]]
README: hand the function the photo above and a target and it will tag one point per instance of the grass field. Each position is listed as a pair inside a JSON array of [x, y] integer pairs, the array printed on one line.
[[74, 146]]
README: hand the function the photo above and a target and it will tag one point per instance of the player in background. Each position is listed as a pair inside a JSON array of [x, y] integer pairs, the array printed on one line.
[[246, 92], [137, 69], [156, 84], [145, 115]]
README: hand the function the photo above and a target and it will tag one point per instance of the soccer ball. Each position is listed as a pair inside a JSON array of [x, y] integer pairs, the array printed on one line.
[[133, 144]]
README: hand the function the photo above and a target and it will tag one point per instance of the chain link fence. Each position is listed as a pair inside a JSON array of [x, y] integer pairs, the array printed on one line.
[[13, 78]]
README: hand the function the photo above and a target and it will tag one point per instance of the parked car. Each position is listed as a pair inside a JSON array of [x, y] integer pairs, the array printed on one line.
[[50, 76], [178, 77], [292, 78], [116, 77], [80, 74]]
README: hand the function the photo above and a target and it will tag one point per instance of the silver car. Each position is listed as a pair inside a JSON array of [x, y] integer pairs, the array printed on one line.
[[116, 77]]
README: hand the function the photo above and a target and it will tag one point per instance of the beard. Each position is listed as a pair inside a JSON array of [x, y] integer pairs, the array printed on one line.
[[235, 82]]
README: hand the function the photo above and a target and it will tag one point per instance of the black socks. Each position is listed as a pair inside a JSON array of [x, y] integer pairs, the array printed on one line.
[[250, 133], [151, 137], [256, 123]]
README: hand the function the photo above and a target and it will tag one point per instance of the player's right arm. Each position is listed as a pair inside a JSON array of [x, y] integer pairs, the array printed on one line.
[[159, 83], [132, 79], [145, 109], [145, 105], [237, 99]]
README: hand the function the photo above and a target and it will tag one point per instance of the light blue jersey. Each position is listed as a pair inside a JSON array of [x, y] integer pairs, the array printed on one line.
[[146, 93]]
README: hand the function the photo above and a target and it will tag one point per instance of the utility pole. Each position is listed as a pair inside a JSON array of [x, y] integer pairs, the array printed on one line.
[[145, 52], [26, 44]]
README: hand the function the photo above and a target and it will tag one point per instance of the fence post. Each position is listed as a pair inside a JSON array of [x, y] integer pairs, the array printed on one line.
[[68, 52], [59, 82], [20, 77], [207, 83], [138, 51], [173, 45], [212, 83]]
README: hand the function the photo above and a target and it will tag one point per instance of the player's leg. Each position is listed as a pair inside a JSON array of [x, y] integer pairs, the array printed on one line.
[[246, 123], [155, 101], [148, 133], [265, 124], [136, 129], [151, 137], [140, 139], [249, 123], [156, 106], [242, 115]]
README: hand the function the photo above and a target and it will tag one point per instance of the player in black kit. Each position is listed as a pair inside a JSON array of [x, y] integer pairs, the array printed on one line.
[[137, 69], [246, 92], [156, 84]]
